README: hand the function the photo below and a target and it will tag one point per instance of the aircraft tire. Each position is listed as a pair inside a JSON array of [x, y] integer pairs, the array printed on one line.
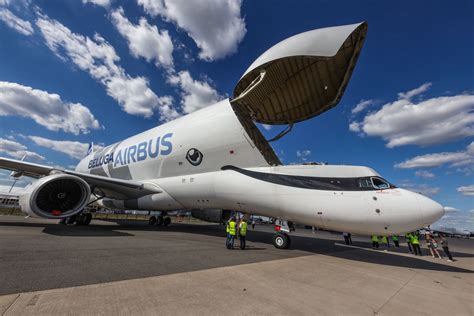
[[281, 241], [88, 219], [152, 220], [80, 219], [167, 221], [159, 221]]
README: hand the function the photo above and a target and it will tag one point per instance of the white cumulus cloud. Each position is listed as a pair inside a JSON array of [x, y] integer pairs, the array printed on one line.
[[362, 105], [428, 122], [46, 109], [450, 209], [216, 26], [195, 94], [424, 174], [17, 150], [145, 40], [97, 57], [467, 190], [73, 149], [102, 3], [16, 23], [454, 159]]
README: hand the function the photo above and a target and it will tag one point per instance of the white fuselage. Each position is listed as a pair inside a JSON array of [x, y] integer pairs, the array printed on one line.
[[232, 174]]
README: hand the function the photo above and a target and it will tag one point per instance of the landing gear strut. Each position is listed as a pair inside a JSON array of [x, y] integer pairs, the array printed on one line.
[[281, 239]]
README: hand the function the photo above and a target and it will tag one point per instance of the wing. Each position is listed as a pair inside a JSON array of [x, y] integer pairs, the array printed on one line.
[[111, 187]]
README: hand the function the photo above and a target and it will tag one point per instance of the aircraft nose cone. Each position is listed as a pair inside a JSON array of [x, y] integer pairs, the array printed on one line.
[[431, 210]]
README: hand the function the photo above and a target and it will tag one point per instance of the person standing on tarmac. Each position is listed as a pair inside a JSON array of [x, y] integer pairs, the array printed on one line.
[[444, 244], [232, 227], [408, 240], [242, 233], [375, 241], [385, 241], [415, 242], [395, 240]]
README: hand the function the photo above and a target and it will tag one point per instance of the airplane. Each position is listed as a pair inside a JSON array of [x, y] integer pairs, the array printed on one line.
[[216, 159]]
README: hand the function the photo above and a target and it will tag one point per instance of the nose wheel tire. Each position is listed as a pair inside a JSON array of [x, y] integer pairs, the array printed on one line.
[[281, 241], [152, 220], [167, 221]]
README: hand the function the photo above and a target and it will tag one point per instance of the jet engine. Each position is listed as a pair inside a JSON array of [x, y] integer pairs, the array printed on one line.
[[213, 216], [55, 196]]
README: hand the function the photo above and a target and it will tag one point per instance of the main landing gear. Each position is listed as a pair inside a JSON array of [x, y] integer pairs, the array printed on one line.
[[162, 220], [281, 239], [82, 219]]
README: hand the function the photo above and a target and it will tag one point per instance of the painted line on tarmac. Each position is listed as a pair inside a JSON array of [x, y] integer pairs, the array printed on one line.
[[380, 251]]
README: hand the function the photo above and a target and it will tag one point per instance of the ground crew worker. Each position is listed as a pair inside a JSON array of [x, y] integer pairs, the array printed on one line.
[[415, 242], [227, 237], [375, 241], [395, 240], [444, 244], [232, 227], [242, 233], [385, 241], [408, 240]]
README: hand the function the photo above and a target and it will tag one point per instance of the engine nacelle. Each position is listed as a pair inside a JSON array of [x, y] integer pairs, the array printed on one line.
[[212, 216], [55, 196]]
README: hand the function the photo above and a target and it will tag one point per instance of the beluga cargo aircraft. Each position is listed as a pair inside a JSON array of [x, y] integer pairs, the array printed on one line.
[[216, 160]]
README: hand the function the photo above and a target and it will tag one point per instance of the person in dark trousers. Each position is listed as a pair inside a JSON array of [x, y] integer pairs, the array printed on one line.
[[375, 241], [408, 240], [395, 240], [346, 238], [415, 242], [444, 244], [349, 236], [242, 233]]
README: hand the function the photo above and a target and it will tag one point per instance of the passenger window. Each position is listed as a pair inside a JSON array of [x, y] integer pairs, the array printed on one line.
[[380, 184]]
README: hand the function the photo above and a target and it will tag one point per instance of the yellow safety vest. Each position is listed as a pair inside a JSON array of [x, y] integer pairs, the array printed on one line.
[[375, 238], [395, 238], [384, 240], [243, 228], [227, 227], [232, 228], [414, 240]]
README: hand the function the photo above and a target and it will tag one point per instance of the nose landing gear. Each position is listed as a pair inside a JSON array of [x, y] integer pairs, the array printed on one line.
[[281, 239]]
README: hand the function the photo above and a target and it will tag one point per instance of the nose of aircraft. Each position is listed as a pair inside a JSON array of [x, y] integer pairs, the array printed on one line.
[[431, 210]]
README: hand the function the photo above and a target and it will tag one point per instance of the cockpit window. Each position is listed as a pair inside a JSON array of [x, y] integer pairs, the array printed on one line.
[[380, 183], [365, 183]]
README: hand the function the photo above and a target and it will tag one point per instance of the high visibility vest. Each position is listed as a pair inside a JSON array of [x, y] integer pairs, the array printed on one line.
[[375, 238], [395, 238], [243, 228], [414, 240], [227, 227], [408, 238], [232, 227], [384, 240]]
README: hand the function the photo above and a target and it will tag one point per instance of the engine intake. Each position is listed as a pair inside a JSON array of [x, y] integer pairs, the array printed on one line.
[[55, 196]]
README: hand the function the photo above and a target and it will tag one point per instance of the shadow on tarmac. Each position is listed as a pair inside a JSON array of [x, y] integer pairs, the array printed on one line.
[[311, 244]]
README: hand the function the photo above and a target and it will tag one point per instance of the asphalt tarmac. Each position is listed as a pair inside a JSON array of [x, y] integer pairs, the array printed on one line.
[[37, 255]]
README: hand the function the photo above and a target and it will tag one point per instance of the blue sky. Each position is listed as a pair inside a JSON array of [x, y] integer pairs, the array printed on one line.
[[102, 70]]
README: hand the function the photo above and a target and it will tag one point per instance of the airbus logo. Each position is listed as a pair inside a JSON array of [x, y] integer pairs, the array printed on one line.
[[161, 146]]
